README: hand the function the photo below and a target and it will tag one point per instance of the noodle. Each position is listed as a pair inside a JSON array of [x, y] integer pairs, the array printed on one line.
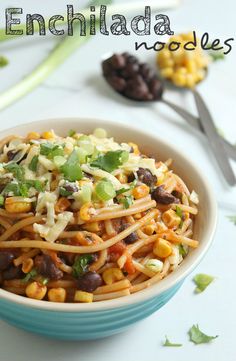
[[87, 232]]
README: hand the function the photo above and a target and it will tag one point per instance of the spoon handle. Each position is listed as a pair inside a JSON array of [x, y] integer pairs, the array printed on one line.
[[195, 123]]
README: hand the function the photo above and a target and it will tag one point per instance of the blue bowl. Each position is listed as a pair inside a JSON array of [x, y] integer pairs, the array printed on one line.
[[100, 319]]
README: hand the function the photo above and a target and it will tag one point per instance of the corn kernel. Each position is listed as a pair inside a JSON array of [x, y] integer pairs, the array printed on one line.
[[171, 219], [137, 216], [112, 275], [36, 291], [135, 148], [190, 80], [57, 295], [141, 191], [167, 72], [16, 207], [149, 229], [27, 265], [162, 248], [85, 297], [84, 212], [48, 135], [179, 79], [93, 227], [33, 136], [122, 178], [62, 205]]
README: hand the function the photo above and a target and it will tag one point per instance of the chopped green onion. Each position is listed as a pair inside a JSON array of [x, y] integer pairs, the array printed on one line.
[[105, 190], [202, 281], [71, 169], [100, 133], [59, 160], [3, 61], [82, 155], [85, 143], [168, 343], [182, 250], [179, 213], [124, 190], [86, 193], [71, 132], [34, 163], [58, 55]]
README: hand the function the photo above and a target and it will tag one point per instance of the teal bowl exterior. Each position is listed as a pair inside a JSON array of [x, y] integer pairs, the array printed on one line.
[[81, 325]]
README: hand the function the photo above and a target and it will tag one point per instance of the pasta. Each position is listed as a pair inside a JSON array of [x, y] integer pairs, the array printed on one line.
[[88, 217]]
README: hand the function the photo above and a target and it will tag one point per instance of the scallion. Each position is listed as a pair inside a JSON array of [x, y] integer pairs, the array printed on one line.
[[105, 190]]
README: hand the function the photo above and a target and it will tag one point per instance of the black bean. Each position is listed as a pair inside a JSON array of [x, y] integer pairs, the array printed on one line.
[[71, 187], [46, 267], [145, 176], [6, 259], [12, 272], [118, 61], [11, 154], [107, 68], [156, 88], [117, 83], [131, 177], [160, 195], [132, 237], [131, 78], [89, 282]]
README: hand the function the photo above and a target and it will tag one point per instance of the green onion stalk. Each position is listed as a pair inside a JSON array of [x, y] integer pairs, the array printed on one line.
[[58, 55]]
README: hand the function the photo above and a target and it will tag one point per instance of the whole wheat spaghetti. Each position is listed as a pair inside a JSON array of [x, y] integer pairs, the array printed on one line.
[[86, 219]]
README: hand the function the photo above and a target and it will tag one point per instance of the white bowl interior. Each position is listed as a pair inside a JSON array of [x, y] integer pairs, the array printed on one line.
[[149, 144]]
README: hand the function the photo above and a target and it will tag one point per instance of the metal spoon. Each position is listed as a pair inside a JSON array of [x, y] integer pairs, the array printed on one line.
[[191, 119]]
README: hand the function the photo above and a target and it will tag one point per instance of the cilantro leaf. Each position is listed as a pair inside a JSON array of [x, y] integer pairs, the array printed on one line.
[[17, 170], [81, 264], [34, 163], [202, 281], [35, 184], [33, 273], [167, 343], [124, 190], [126, 201], [197, 336], [12, 187], [232, 219], [111, 160], [51, 150], [71, 169]]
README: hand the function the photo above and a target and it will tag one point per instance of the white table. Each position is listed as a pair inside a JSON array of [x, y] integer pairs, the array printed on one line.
[[77, 89]]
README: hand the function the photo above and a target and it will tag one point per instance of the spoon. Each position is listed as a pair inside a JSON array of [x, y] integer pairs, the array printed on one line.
[[122, 71]]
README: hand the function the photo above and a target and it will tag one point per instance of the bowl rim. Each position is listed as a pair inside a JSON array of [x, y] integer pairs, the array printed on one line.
[[155, 290]]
